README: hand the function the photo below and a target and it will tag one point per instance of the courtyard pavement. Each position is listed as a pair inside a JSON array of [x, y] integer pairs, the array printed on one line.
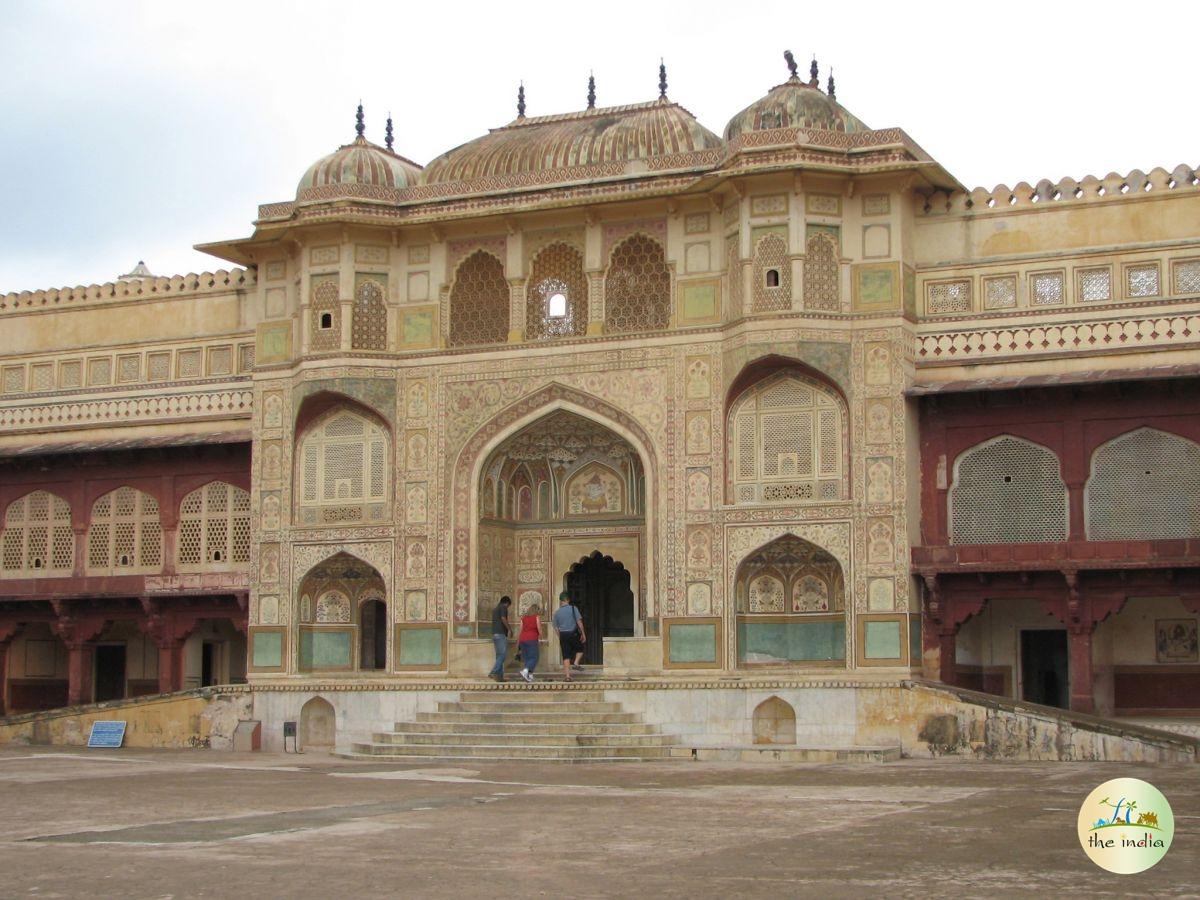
[[131, 823]]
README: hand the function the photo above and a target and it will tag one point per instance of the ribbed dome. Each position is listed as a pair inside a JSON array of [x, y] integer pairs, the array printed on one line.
[[359, 163], [793, 104], [611, 137]]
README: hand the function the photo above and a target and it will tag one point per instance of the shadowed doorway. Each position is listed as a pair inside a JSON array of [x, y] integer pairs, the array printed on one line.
[[600, 587]]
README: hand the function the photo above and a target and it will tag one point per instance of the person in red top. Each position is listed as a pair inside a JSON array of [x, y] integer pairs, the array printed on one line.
[[531, 634]]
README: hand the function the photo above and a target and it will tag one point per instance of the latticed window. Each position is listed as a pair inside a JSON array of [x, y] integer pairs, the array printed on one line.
[[125, 534], [948, 297], [326, 316], [787, 442], [771, 256], [343, 460], [556, 300], [822, 278], [368, 328], [637, 287], [479, 302], [214, 527], [38, 539], [1007, 491], [1144, 485]]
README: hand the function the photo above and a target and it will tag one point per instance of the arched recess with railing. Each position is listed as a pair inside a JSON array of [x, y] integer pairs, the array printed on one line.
[[214, 529], [38, 540], [343, 462], [125, 534], [1144, 485], [1007, 490]]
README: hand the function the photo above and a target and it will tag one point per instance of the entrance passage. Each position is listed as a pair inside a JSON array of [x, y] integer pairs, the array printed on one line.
[[1044, 675], [600, 587], [373, 652], [110, 672]]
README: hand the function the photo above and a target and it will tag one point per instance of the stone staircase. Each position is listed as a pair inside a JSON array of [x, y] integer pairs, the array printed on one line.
[[542, 724]]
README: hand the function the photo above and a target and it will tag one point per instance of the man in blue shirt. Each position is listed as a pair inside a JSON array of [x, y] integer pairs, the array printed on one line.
[[500, 635], [568, 622]]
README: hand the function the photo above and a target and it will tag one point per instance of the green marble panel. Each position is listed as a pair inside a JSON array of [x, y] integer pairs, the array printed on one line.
[[325, 649], [420, 647], [881, 640], [699, 301], [268, 649], [799, 641], [914, 641], [693, 643]]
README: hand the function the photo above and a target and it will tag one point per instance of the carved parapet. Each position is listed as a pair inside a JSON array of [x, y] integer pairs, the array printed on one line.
[[145, 288], [981, 201]]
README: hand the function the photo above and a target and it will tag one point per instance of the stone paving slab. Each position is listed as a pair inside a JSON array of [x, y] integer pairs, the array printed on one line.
[[207, 824]]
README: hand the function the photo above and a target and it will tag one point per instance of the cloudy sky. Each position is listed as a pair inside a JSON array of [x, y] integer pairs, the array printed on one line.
[[133, 130]]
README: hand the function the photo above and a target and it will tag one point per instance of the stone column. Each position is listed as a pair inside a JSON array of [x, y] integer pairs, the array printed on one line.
[[947, 649], [595, 323], [516, 310], [1076, 527], [80, 660], [170, 665], [7, 632], [1079, 651]]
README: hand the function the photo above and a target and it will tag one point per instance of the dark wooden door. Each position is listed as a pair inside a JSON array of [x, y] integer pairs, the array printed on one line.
[[1045, 677], [599, 588]]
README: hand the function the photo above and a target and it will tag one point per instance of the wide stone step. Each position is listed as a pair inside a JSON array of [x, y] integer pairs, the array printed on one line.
[[523, 727], [525, 706], [788, 753], [401, 757], [507, 751], [531, 693], [406, 738], [518, 718]]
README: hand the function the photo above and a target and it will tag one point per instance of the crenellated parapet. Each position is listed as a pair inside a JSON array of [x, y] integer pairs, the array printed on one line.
[[1067, 191], [220, 281]]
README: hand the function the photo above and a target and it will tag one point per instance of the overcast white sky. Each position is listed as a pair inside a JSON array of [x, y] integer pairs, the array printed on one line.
[[133, 130]]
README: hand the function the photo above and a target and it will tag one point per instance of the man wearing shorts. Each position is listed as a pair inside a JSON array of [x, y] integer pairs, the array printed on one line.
[[571, 636]]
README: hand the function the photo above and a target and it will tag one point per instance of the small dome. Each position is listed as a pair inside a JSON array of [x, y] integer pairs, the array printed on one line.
[[611, 141], [353, 167], [794, 104]]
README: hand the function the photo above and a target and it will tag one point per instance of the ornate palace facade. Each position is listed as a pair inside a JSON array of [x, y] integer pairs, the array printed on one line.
[[787, 398]]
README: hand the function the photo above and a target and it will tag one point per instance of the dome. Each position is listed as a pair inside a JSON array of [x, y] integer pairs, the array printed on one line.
[[596, 143], [358, 164], [794, 104]]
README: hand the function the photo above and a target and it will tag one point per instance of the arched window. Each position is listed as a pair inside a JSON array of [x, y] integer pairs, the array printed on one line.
[[822, 273], [637, 287], [479, 302], [326, 316], [38, 539], [368, 328], [214, 528], [1144, 485], [556, 299], [787, 442], [1007, 491], [343, 460], [125, 535], [771, 255]]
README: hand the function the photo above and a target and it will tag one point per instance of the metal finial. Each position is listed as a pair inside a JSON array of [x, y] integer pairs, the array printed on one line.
[[831, 90], [591, 91], [387, 134], [813, 78], [791, 62], [662, 79], [521, 100], [359, 127]]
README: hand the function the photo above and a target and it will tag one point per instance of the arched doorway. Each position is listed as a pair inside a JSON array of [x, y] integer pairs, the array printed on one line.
[[538, 489], [372, 618], [318, 724], [340, 602], [600, 587], [790, 597]]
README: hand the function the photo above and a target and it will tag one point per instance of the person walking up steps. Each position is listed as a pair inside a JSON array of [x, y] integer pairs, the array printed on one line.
[[500, 634], [531, 634], [571, 636]]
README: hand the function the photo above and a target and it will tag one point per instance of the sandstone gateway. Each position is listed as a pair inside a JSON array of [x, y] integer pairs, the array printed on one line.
[[793, 415]]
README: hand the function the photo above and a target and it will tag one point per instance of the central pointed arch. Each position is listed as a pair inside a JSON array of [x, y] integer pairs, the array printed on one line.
[[466, 479]]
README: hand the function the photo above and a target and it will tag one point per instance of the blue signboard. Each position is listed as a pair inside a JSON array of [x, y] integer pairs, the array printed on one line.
[[107, 734]]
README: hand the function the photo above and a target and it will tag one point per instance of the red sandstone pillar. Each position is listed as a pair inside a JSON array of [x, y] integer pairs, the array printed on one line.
[[1079, 649], [947, 650], [4, 645], [170, 666], [80, 660]]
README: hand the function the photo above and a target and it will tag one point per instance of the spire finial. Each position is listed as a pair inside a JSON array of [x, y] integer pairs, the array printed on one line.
[[359, 128], [591, 91], [387, 135], [521, 100], [813, 75], [832, 91], [791, 62], [662, 79]]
